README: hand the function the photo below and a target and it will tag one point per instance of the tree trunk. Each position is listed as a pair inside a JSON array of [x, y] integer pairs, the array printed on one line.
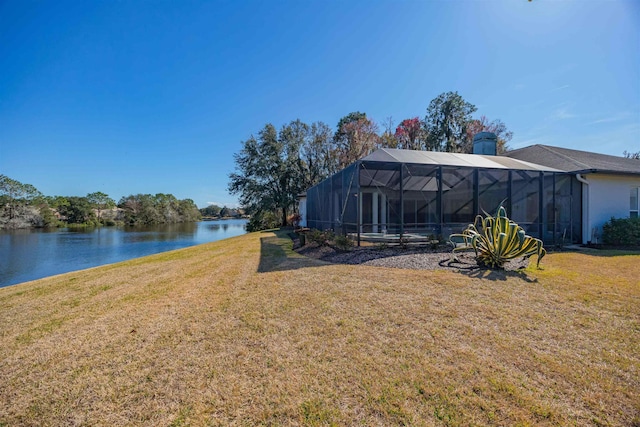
[[284, 217]]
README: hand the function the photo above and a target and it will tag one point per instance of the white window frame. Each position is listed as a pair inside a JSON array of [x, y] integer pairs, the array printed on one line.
[[634, 211]]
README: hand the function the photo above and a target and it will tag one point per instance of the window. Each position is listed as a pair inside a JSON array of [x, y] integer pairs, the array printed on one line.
[[633, 202]]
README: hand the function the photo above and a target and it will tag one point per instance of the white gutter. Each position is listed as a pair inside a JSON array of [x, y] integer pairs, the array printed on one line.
[[585, 208]]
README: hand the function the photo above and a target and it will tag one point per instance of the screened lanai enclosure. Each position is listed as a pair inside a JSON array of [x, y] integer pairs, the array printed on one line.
[[418, 196]]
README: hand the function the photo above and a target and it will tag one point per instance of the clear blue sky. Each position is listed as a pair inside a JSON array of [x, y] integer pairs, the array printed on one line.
[[156, 96]]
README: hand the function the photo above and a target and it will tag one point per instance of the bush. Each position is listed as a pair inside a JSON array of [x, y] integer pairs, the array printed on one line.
[[322, 238], [329, 238], [315, 236], [263, 221], [294, 219], [622, 232], [343, 243]]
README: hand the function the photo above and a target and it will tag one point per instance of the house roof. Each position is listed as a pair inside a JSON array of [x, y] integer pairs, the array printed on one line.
[[392, 155], [575, 160]]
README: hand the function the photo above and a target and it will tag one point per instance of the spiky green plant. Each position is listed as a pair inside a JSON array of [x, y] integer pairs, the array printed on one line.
[[497, 239]]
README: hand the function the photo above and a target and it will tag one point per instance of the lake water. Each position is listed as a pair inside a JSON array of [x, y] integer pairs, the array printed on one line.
[[33, 254]]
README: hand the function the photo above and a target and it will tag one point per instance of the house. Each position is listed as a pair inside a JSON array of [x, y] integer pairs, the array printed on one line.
[[395, 194], [555, 194], [610, 184]]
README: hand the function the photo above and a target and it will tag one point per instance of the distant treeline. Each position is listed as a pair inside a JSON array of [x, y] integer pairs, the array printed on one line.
[[23, 206], [215, 211]]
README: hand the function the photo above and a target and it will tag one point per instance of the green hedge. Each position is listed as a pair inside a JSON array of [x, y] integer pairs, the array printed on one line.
[[263, 221], [622, 231]]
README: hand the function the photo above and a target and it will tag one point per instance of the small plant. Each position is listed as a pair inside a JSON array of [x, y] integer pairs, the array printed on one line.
[[433, 242], [343, 243], [315, 236], [294, 219], [561, 242], [496, 240]]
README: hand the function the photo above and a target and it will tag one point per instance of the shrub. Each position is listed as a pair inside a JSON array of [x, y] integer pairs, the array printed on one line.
[[263, 221], [294, 219], [499, 240], [329, 238], [343, 243], [315, 236], [322, 238], [622, 231], [404, 242]]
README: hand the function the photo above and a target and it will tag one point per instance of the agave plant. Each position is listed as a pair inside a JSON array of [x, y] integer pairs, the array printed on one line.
[[497, 240]]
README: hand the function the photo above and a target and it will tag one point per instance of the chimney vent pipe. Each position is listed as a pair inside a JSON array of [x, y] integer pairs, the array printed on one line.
[[485, 143]]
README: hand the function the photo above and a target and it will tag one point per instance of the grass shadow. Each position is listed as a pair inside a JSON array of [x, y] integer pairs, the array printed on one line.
[[476, 272], [609, 252], [495, 275], [276, 254]]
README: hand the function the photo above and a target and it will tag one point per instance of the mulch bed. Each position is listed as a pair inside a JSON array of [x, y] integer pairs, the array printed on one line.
[[415, 258]]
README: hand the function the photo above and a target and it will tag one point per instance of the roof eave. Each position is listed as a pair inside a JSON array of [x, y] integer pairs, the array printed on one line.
[[605, 172]]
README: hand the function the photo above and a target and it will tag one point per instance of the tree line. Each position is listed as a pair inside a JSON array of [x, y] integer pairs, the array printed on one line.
[[215, 211], [23, 206], [274, 166]]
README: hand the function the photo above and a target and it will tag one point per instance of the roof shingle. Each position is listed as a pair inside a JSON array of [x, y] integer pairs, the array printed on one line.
[[575, 160]]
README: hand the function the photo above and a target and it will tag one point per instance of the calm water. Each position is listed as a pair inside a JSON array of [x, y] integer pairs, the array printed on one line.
[[34, 254]]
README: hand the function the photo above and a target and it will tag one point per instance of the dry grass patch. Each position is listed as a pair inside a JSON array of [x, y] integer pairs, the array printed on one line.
[[246, 332]]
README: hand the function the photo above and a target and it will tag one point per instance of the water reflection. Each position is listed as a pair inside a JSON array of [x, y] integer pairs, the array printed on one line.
[[33, 254], [164, 232], [160, 233]]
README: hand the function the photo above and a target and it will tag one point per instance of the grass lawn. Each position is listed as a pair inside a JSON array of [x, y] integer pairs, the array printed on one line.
[[247, 332]]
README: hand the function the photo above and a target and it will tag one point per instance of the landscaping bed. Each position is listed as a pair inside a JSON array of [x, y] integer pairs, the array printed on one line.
[[413, 257]]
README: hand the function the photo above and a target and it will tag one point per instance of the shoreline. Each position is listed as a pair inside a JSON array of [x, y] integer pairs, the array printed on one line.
[[30, 258]]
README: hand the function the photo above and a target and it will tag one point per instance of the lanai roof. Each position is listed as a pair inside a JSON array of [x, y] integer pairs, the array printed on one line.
[[436, 158], [390, 178]]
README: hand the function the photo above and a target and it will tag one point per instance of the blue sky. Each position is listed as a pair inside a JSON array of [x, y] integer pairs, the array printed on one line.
[[129, 97]]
